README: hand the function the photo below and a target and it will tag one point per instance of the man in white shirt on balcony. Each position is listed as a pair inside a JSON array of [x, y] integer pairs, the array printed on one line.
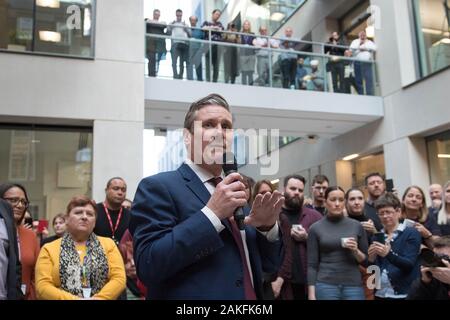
[[363, 50], [180, 48], [262, 55]]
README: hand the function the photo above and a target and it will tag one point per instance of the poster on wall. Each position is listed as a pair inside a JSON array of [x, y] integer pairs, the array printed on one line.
[[22, 156]]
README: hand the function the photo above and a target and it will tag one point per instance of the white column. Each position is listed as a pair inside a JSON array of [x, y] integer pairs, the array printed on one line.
[[118, 151], [406, 163]]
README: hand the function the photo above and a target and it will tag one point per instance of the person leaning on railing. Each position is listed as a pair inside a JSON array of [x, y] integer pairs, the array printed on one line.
[[213, 28], [262, 55], [195, 51], [155, 47], [230, 53], [247, 55], [80, 265]]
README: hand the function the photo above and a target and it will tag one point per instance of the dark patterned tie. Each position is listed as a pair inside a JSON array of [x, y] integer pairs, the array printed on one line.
[[248, 288]]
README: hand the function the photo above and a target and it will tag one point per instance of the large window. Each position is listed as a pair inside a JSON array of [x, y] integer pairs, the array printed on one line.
[[439, 157], [432, 29], [52, 164], [61, 27]]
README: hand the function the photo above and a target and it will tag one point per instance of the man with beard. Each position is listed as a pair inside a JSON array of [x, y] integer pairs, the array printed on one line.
[[375, 187], [295, 221]]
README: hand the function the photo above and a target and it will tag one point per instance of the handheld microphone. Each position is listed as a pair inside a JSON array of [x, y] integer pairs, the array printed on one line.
[[229, 166]]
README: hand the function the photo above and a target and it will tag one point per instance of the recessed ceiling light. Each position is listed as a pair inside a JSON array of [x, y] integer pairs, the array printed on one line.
[[350, 157]]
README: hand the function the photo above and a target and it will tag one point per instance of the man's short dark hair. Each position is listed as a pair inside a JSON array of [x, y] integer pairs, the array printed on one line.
[[442, 242], [114, 178], [373, 174], [215, 10], [319, 178], [294, 176], [211, 99], [156, 10], [179, 10], [387, 200]]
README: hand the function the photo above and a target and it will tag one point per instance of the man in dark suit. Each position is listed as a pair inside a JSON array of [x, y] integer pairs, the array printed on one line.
[[10, 270], [186, 242]]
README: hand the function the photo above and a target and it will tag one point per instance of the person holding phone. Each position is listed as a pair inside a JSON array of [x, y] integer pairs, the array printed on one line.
[[16, 195], [397, 256], [414, 207], [80, 265], [434, 283], [354, 203]]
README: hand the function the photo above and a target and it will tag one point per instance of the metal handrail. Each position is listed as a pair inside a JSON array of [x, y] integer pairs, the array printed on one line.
[[239, 45]]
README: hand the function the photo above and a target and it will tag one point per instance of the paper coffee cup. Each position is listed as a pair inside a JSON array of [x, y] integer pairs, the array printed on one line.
[[87, 292], [344, 241], [409, 223]]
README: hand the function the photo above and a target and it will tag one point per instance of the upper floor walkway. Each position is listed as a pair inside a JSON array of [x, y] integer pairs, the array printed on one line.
[[299, 87]]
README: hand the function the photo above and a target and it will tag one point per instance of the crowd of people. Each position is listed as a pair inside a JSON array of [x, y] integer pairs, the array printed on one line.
[[251, 53], [182, 237]]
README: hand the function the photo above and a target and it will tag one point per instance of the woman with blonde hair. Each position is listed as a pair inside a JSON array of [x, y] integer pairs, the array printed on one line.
[[247, 55], [443, 216], [415, 214], [80, 265]]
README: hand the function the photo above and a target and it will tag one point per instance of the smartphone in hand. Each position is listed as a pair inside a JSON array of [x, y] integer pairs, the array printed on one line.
[[379, 237]]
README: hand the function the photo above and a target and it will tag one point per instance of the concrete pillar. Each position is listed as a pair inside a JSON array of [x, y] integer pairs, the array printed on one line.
[[406, 163], [118, 151]]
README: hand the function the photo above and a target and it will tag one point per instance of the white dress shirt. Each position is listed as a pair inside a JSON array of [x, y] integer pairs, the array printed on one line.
[[205, 176]]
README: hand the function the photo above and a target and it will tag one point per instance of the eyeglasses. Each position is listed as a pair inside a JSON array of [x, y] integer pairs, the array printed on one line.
[[385, 213], [15, 201]]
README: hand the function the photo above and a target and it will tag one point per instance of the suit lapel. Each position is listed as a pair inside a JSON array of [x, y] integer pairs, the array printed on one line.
[[194, 183]]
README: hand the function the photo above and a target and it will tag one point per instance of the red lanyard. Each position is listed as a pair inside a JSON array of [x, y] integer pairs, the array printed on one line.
[[113, 229]]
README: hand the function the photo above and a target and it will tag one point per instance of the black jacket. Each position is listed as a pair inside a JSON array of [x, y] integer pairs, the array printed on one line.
[[14, 274], [435, 290]]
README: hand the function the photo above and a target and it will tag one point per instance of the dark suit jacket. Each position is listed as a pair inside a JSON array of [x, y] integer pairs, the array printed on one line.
[[178, 252], [14, 269]]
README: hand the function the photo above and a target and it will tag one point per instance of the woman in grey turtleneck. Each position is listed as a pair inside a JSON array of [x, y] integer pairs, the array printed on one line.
[[333, 262]]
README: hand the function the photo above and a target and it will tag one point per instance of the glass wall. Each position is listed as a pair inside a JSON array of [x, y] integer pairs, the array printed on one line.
[[53, 165], [361, 167], [432, 29], [439, 157], [61, 27]]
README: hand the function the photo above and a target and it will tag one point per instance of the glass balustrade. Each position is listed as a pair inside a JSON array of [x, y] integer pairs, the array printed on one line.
[[287, 63]]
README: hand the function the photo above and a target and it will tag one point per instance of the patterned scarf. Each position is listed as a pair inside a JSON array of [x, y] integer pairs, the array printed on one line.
[[70, 268]]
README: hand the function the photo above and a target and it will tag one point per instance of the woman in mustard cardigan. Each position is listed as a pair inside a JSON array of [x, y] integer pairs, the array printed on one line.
[[80, 265]]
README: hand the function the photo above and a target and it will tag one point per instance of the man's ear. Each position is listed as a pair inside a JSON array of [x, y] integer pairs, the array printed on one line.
[[187, 137]]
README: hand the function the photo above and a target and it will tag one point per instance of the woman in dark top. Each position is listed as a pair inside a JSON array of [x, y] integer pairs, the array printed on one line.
[[336, 247], [247, 55], [59, 225], [414, 207], [443, 216], [354, 203]]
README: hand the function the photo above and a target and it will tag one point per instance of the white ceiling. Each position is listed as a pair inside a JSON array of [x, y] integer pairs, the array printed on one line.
[[293, 112]]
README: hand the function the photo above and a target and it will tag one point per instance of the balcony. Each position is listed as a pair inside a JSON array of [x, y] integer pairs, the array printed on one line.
[[288, 86]]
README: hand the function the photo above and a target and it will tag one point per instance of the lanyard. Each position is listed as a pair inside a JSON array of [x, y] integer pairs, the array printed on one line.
[[85, 283], [113, 229]]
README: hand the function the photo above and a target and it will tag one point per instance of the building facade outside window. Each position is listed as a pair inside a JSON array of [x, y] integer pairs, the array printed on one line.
[[433, 39], [439, 157], [48, 26], [52, 164]]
